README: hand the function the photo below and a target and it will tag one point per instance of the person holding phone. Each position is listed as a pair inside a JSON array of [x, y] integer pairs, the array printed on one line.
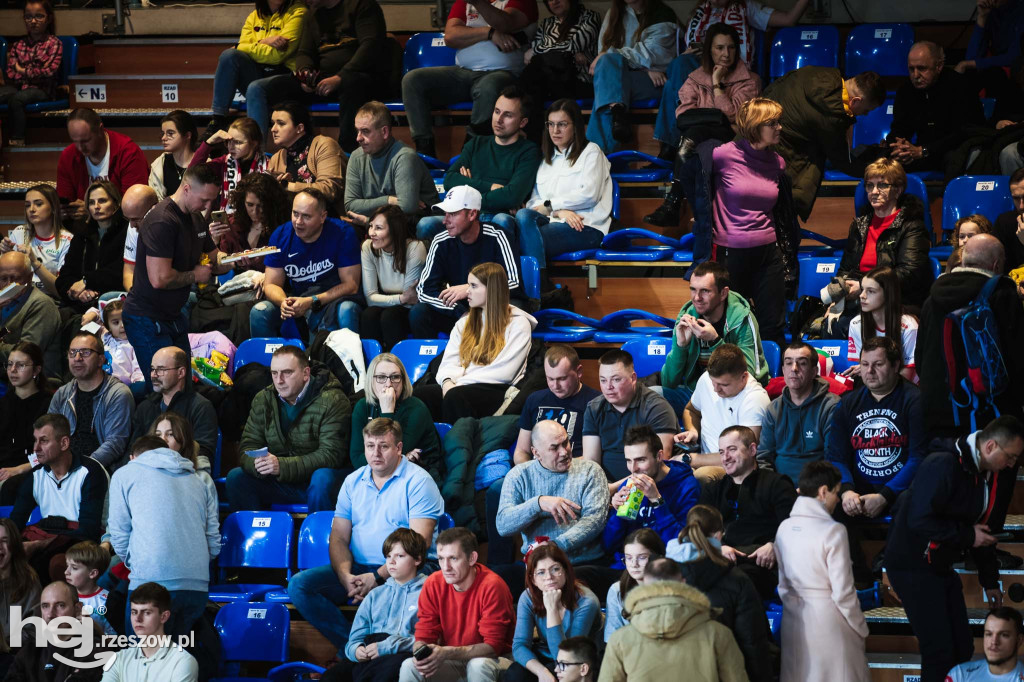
[[41, 237]]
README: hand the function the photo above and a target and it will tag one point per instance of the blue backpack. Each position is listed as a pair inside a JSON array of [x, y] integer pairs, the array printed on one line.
[[983, 375]]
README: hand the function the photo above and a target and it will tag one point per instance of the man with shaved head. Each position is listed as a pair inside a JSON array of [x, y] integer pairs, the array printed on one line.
[[171, 375], [26, 313], [555, 495], [936, 106], [983, 258], [135, 204]]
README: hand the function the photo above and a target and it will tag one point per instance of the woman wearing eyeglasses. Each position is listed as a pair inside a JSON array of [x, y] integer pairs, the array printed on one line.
[[571, 205], [389, 394], [553, 605], [25, 401]]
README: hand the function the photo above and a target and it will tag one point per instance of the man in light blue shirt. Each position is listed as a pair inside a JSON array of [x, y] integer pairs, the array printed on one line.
[[388, 493]]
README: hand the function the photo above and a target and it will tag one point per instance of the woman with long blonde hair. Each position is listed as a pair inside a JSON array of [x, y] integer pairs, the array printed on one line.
[[486, 353], [41, 237]]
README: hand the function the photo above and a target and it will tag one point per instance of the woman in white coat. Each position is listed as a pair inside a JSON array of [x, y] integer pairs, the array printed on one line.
[[823, 628]]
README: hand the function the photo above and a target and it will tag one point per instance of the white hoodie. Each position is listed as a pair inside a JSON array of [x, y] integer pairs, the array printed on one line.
[[507, 368]]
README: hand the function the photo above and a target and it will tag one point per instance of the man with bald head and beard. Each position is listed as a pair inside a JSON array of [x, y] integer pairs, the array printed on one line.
[[26, 313], [983, 258], [135, 204]]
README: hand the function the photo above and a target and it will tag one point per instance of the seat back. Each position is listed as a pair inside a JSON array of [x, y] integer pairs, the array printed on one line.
[[426, 49], [915, 186], [253, 631], [615, 199], [371, 349], [882, 48], [314, 538], [796, 46], [69, 59], [648, 354], [444, 522], [836, 349], [442, 429], [261, 349], [531, 276], [416, 354], [988, 195], [815, 274], [256, 539], [872, 128], [772, 357]]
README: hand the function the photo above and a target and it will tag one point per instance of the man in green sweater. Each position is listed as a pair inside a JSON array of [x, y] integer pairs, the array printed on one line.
[[27, 314], [294, 442], [383, 170], [502, 167]]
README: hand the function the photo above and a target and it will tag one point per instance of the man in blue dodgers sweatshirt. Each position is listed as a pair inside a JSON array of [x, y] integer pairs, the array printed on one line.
[[466, 242], [877, 441], [669, 487], [163, 523], [799, 422]]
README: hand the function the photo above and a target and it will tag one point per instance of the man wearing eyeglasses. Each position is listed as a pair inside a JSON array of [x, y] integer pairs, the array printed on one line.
[[26, 313], [957, 504], [98, 407]]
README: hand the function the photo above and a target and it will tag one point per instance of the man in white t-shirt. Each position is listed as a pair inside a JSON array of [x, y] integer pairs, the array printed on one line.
[[1004, 633], [135, 204], [726, 395], [490, 40]]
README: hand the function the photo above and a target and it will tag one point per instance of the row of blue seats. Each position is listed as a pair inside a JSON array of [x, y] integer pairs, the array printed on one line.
[[882, 48]]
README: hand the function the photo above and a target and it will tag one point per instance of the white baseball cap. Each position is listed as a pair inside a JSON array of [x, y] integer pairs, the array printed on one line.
[[459, 198]]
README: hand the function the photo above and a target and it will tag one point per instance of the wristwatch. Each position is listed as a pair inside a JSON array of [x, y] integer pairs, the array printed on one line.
[[317, 305], [654, 504], [379, 578], [686, 459], [924, 152]]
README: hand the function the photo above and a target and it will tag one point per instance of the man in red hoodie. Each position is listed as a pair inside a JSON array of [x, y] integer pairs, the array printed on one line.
[[469, 608], [96, 153]]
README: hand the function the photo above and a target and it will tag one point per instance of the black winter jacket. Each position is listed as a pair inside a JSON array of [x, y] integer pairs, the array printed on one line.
[[100, 262], [189, 404], [753, 510], [935, 521], [733, 593], [904, 247]]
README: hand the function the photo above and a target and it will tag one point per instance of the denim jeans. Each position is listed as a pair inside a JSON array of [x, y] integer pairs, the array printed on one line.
[[238, 71], [437, 86], [248, 493], [430, 226], [16, 100], [147, 336], [1011, 157], [265, 318], [615, 83], [540, 238], [317, 593], [678, 70], [187, 607]]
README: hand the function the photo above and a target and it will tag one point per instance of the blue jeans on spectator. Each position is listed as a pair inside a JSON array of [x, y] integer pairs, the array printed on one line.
[[540, 238], [437, 86], [248, 493], [265, 318], [430, 226], [678, 70], [238, 71], [615, 83], [16, 100], [187, 607], [317, 593], [147, 336]]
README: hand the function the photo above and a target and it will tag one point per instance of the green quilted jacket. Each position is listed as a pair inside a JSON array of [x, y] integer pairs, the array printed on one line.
[[319, 435]]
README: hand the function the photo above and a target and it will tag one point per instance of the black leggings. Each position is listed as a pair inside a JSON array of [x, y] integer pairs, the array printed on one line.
[[472, 400], [757, 273], [382, 669], [387, 324]]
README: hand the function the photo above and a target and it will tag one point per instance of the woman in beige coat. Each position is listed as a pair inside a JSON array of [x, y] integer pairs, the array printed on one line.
[[823, 628]]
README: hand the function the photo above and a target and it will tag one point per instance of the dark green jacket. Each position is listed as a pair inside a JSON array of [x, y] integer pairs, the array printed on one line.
[[814, 128], [318, 435], [418, 432], [464, 446]]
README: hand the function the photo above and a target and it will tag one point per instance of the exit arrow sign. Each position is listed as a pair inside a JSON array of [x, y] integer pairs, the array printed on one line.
[[91, 93]]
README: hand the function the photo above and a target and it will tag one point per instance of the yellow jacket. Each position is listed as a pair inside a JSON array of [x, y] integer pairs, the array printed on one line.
[[288, 25]]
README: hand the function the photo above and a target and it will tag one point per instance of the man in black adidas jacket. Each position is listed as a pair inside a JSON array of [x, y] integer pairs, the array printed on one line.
[[957, 503]]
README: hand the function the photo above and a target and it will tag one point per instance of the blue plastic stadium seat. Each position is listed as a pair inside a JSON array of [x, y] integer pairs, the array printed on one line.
[[988, 195], [936, 266], [314, 537], [555, 325], [432, 163], [915, 186], [416, 354], [835, 348], [530, 272], [874, 126], [444, 522], [828, 245], [815, 274], [68, 67], [260, 349], [796, 46], [618, 327], [421, 50], [618, 246], [371, 349], [622, 172], [774, 614], [988, 106], [651, 103], [772, 357], [648, 354], [252, 539], [942, 252], [442, 429], [252, 632], [882, 48], [33, 518]]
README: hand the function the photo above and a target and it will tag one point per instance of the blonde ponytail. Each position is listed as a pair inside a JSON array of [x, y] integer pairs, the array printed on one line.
[[702, 522]]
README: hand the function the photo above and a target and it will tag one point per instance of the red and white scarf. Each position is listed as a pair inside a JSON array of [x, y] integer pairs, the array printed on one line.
[[735, 15], [233, 175]]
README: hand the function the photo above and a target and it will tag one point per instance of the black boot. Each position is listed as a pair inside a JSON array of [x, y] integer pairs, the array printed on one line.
[[425, 145], [620, 123], [667, 215]]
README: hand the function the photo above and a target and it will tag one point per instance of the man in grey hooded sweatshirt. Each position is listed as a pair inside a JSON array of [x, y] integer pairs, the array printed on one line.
[[163, 524]]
